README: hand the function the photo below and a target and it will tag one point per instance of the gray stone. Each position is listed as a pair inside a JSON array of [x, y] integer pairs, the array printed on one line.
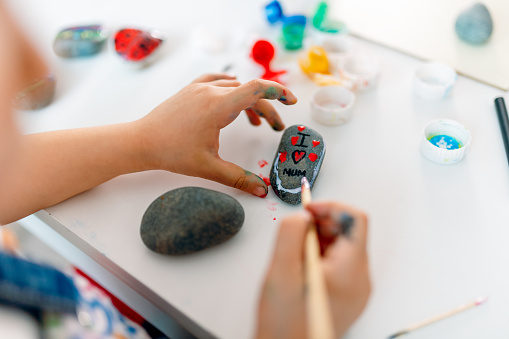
[[79, 41], [300, 153], [36, 96], [474, 25], [190, 219]]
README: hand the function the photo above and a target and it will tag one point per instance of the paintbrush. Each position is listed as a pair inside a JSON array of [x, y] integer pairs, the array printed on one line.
[[429, 321], [319, 318]]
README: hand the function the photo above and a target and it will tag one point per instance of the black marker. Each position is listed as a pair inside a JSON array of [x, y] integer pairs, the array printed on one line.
[[503, 119]]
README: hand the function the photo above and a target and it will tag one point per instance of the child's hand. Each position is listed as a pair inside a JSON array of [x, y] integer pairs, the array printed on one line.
[[182, 134], [342, 232]]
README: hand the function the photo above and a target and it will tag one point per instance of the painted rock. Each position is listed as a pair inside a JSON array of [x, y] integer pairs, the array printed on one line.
[[474, 25], [136, 45], [300, 154], [190, 219], [79, 41], [38, 95]]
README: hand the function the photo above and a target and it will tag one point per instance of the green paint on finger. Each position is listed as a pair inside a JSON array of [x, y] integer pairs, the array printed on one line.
[[271, 93]]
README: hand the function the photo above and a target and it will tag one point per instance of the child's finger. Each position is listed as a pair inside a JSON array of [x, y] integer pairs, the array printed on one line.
[[289, 249], [235, 176], [264, 109], [248, 94], [334, 219], [213, 76], [225, 83], [253, 117]]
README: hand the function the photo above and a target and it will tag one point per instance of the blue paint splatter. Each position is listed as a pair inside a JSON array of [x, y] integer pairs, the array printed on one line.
[[445, 142]]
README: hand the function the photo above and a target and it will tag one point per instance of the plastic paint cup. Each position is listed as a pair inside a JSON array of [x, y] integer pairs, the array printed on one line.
[[293, 31], [445, 142], [362, 70], [332, 105], [434, 81], [338, 48]]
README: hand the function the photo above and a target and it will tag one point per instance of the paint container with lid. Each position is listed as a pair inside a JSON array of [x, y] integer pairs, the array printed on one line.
[[445, 142], [332, 105]]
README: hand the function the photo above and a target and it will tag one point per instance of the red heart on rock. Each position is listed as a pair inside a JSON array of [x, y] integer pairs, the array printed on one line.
[[298, 156], [316, 143], [301, 128], [135, 44], [313, 157], [282, 156], [294, 140]]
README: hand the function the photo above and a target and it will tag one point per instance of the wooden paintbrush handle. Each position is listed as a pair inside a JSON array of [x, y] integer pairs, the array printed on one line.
[[320, 325]]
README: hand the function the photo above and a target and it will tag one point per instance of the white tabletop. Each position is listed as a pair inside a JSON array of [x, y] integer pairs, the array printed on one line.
[[437, 236]]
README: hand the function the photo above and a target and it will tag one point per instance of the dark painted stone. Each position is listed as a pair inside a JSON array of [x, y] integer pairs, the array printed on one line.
[[79, 41], [38, 95], [190, 219], [300, 153], [474, 25], [136, 45]]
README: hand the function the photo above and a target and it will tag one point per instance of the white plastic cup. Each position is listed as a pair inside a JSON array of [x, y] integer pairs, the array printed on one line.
[[434, 81], [361, 70], [332, 105]]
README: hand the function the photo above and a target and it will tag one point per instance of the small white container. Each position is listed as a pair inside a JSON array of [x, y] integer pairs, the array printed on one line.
[[442, 154], [361, 70], [434, 81], [338, 48], [332, 105]]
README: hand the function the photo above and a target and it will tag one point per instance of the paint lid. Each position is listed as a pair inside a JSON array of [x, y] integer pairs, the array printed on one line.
[[445, 142], [274, 12], [434, 81]]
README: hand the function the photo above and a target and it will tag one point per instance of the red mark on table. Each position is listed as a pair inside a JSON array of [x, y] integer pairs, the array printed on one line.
[[262, 163], [274, 218], [312, 157], [271, 206], [316, 143]]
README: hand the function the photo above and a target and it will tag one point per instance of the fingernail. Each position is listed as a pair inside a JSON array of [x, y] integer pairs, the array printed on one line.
[[260, 191], [346, 223]]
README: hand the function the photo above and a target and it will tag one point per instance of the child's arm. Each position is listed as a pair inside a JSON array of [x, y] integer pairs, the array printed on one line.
[[47, 168]]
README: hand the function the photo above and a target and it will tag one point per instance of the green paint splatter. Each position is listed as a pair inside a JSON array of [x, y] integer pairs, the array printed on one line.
[[271, 93]]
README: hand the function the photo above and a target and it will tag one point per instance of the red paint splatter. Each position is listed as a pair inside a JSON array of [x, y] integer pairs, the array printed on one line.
[[271, 206], [313, 157], [274, 218], [282, 156], [294, 140], [301, 128], [262, 163], [316, 143], [266, 180]]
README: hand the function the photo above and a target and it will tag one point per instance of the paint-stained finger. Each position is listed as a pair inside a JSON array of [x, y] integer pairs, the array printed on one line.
[[213, 76], [246, 95], [254, 119], [229, 174], [335, 219], [289, 249], [264, 109], [225, 83]]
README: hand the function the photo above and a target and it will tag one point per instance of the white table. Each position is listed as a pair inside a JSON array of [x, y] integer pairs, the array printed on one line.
[[438, 234]]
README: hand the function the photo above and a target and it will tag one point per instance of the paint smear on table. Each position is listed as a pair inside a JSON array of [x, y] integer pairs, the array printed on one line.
[[271, 206], [262, 163]]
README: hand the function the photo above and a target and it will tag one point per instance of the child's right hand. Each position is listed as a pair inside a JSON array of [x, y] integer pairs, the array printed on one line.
[[181, 135]]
